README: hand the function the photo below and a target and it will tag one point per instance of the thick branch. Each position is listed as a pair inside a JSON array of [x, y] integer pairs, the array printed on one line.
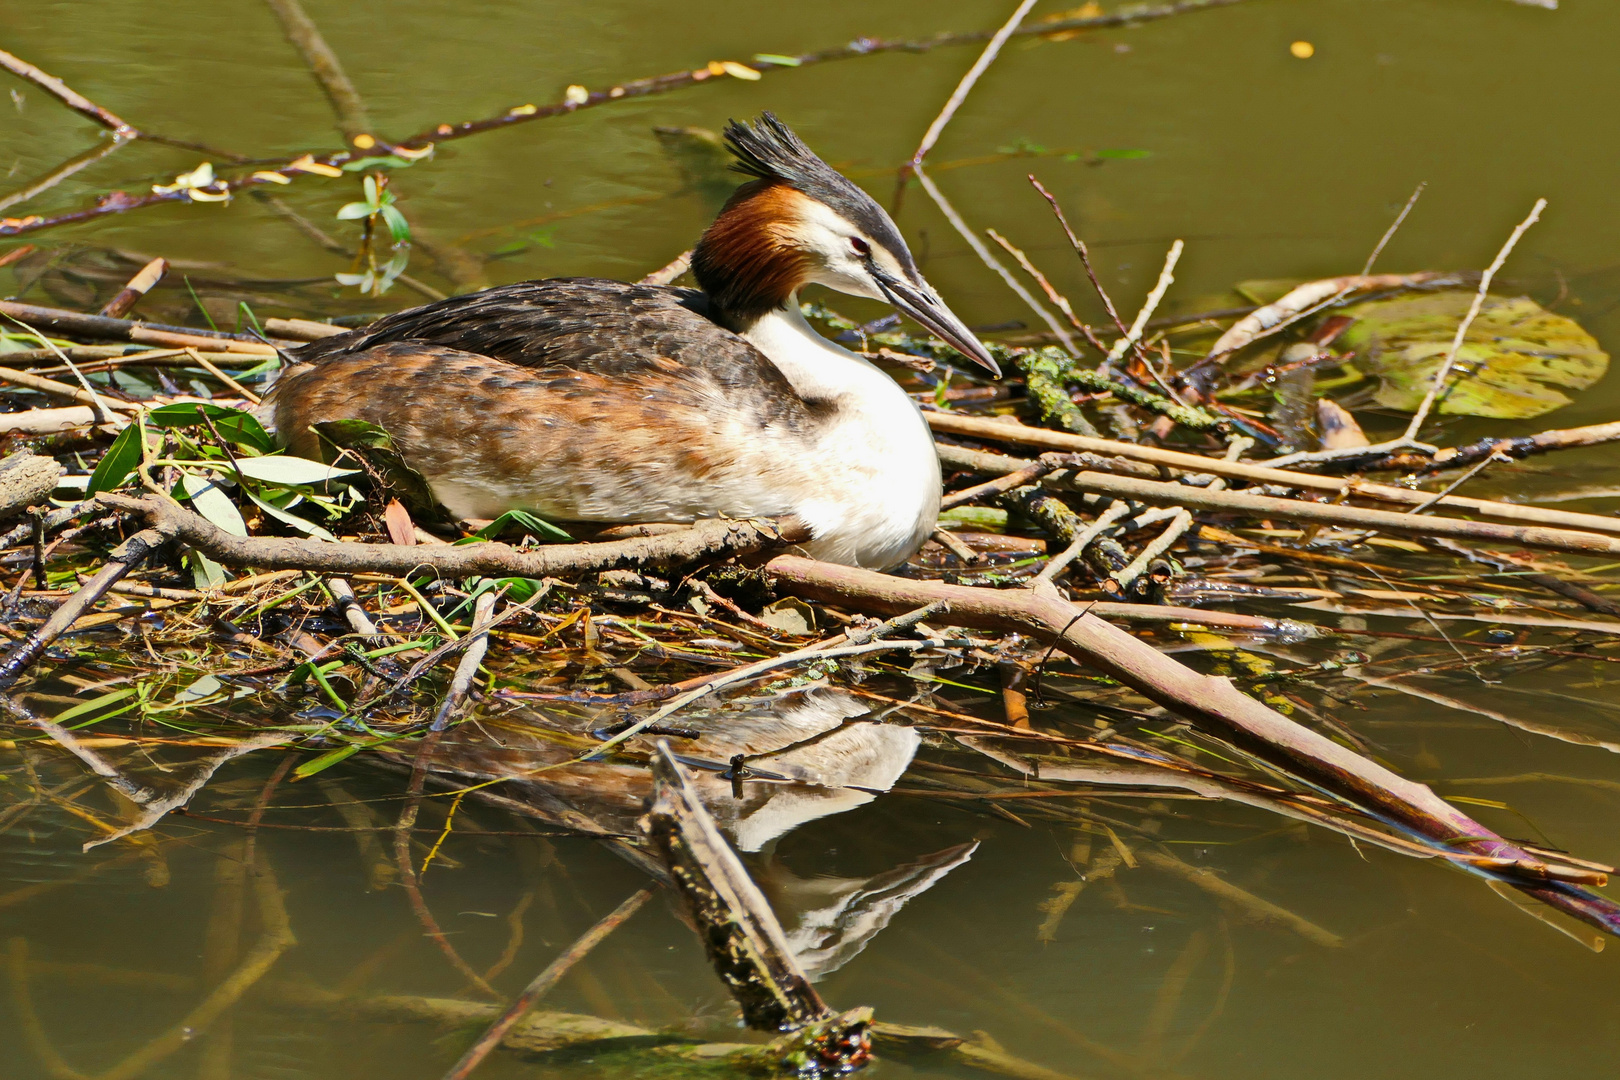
[[1211, 704], [704, 540], [68, 96]]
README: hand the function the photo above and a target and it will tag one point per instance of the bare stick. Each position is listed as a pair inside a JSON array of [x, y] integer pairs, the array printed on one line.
[[965, 86], [705, 539], [988, 259], [125, 558], [1444, 373], [323, 63], [998, 430], [477, 644], [67, 95], [1389, 233], [1134, 334], [1060, 301], [543, 982], [1081, 541], [138, 286], [1158, 493], [1081, 250], [208, 366]]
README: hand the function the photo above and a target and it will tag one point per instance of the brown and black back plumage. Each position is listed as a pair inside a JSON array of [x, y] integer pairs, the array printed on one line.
[[625, 395]]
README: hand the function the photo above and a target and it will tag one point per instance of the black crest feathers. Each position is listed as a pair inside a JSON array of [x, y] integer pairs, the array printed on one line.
[[768, 150]]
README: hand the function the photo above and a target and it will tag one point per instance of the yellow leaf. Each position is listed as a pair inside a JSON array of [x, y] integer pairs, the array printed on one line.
[[739, 71]]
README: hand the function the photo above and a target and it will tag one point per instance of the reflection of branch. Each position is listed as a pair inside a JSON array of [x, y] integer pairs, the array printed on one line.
[[418, 144], [61, 173], [22, 1002], [545, 981], [324, 65], [275, 939], [64, 93]]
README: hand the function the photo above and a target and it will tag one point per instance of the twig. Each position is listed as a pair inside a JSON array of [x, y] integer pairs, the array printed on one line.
[[1059, 301], [1180, 523], [1081, 250], [988, 259], [965, 86], [124, 558], [1460, 481], [1001, 484], [67, 96], [543, 982], [1158, 493], [1134, 334], [1001, 431], [323, 63], [1389, 233], [138, 286], [208, 366], [1082, 539], [954, 544], [477, 644], [1444, 373]]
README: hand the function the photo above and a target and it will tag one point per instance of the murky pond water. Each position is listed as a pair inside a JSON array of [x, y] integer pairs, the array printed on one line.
[[1269, 166]]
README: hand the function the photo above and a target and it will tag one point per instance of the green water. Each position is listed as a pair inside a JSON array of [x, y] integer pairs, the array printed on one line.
[[1266, 165]]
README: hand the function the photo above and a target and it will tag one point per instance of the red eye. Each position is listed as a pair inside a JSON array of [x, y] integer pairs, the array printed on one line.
[[862, 248]]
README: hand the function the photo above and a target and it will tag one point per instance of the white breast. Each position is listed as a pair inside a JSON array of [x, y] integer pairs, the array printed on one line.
[[869, 486]]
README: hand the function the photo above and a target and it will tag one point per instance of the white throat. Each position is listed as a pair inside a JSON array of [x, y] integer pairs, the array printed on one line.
[[819, 369]]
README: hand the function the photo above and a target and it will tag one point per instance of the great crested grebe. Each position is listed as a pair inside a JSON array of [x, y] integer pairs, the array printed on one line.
[[583, 399]]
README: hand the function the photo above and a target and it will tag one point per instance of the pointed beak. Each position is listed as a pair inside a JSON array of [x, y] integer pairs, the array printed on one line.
[[924, 305]]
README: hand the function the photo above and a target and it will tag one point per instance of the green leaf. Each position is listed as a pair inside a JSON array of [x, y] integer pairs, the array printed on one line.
[[388, 161], [205, 572], [533, 525], [234, 425], [326, 761], [281, 469], [118, 462], [1511, 363], [398, 227], [211, 502], [308, 528], [95, 704], [778, 59], [354, 210], [370, 186]]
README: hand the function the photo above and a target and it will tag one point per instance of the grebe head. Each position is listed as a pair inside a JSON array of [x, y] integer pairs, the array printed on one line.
[[799, 222]]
